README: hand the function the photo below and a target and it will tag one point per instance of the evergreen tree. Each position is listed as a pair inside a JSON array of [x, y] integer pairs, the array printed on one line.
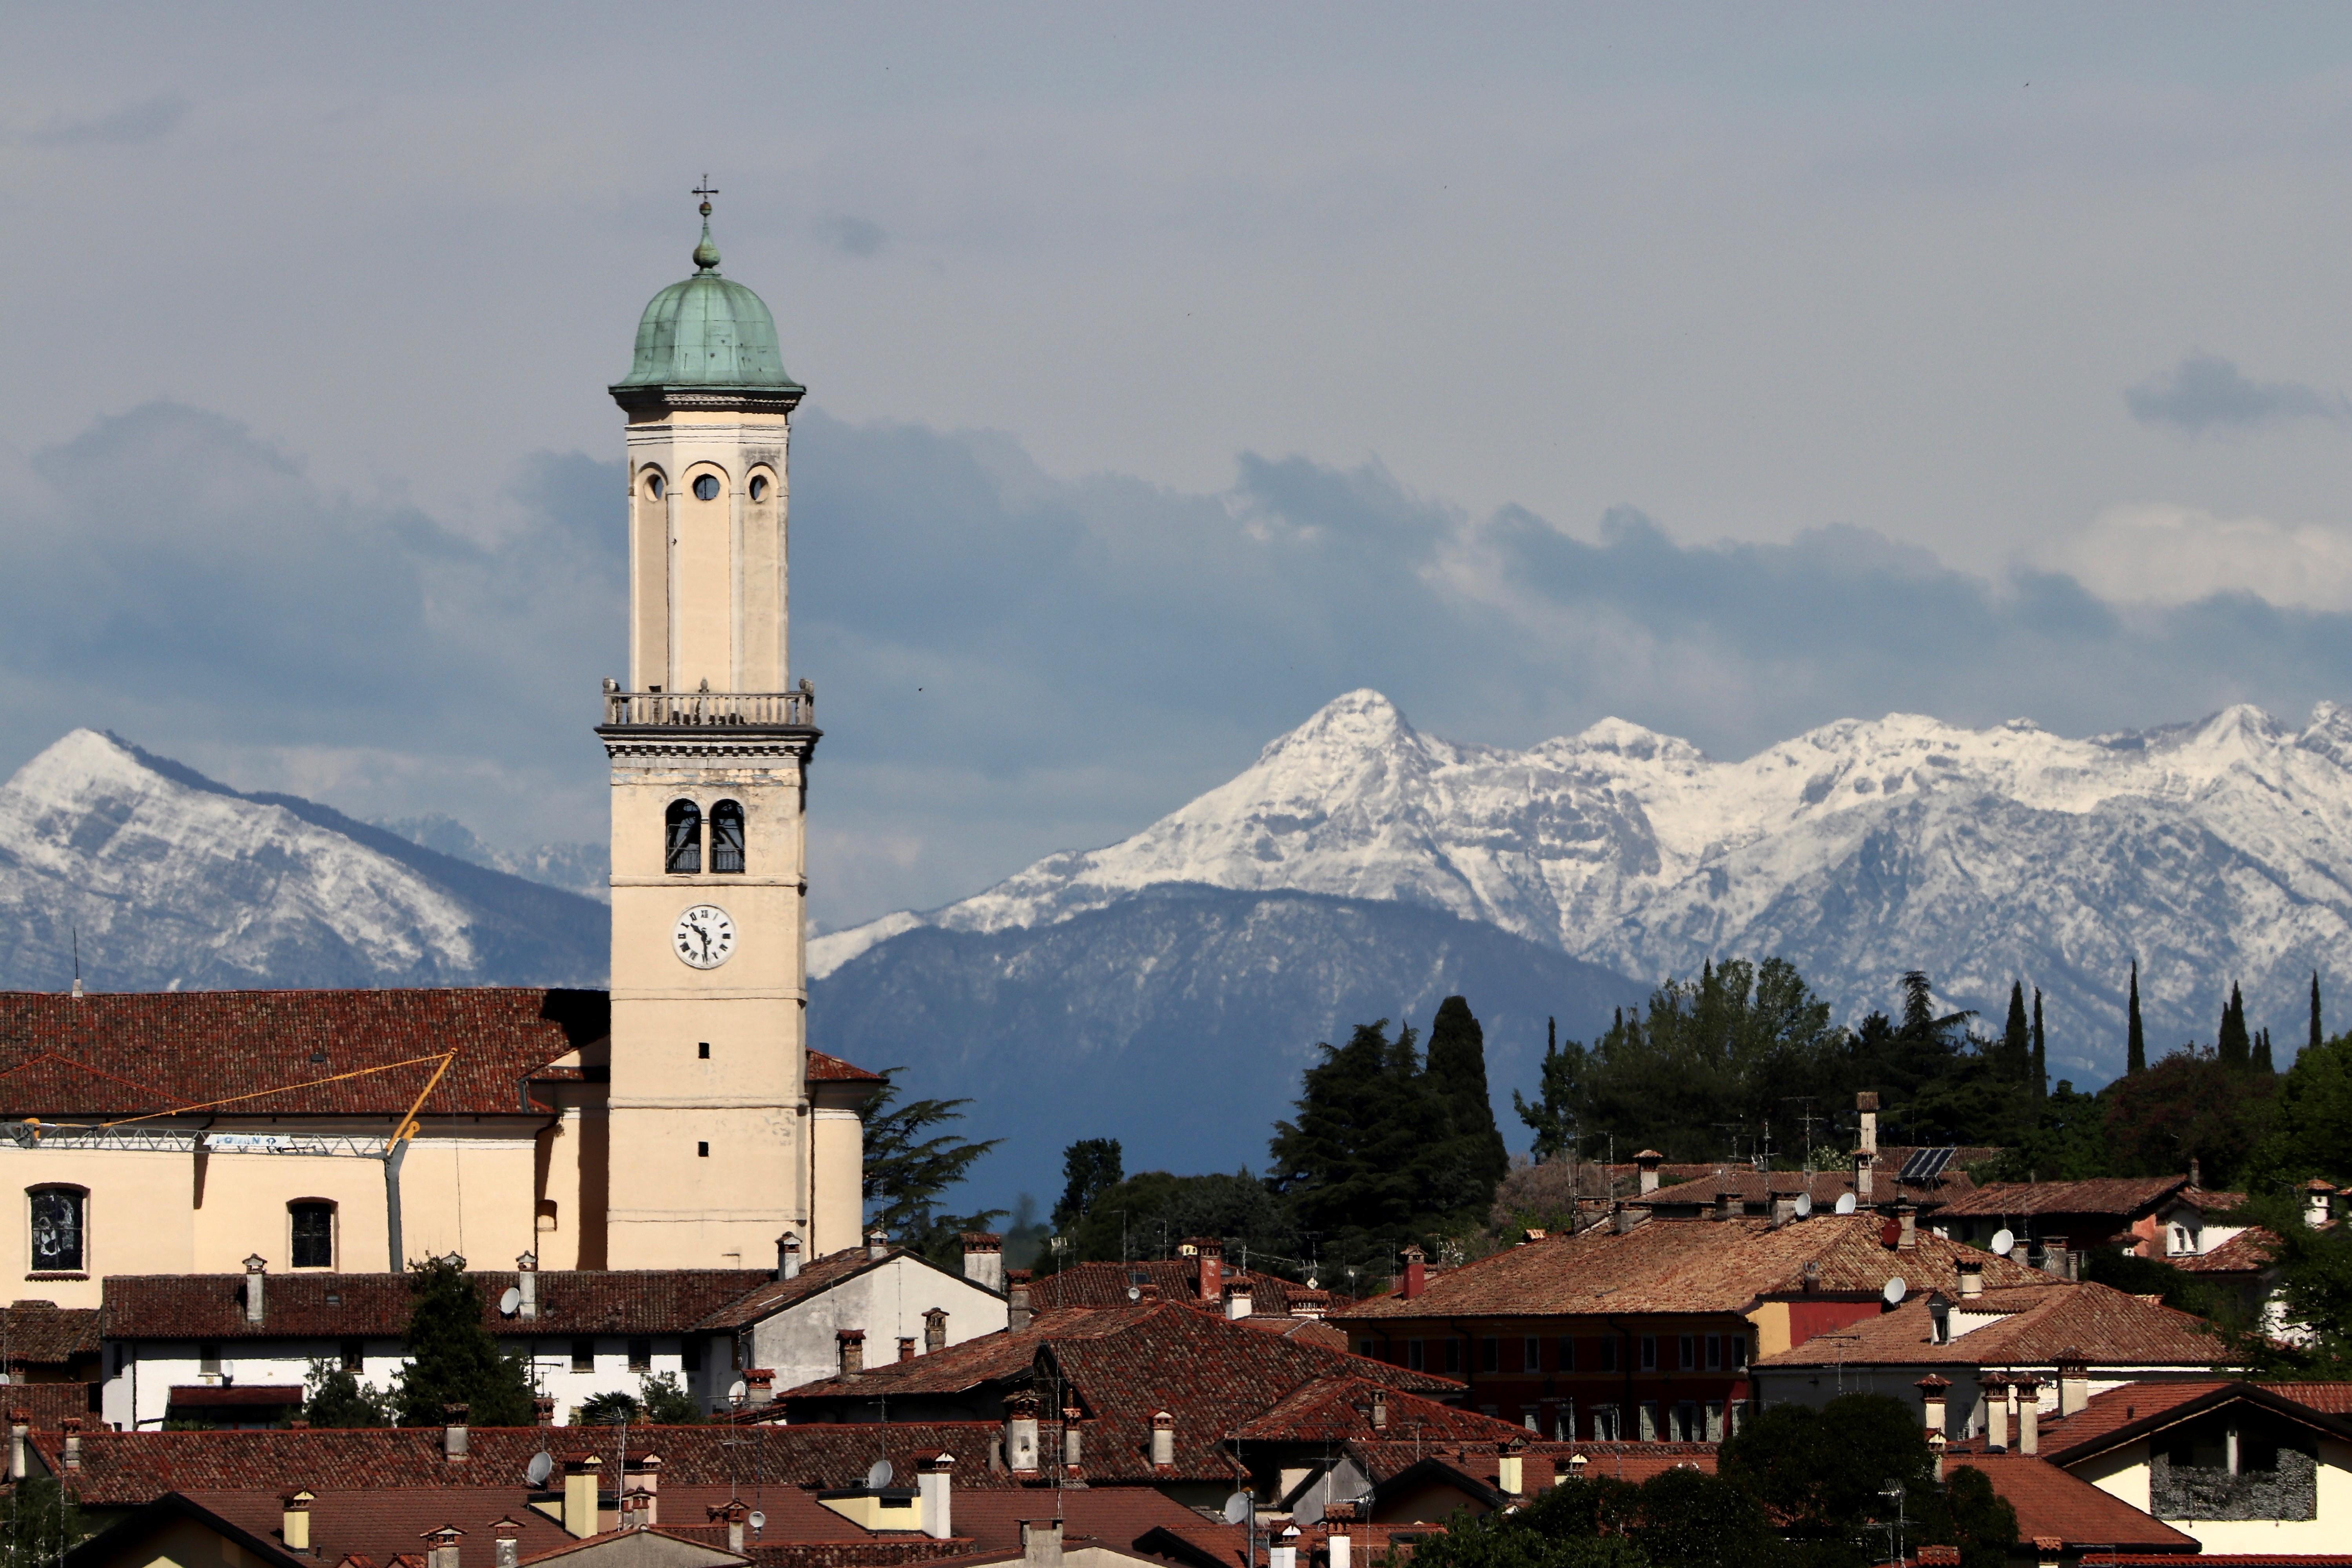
[[908, 1169], [2017, 1039], [2134, 1039], [2232, 1046], [2317, 1038], [1559, 1082], [1457, 1071], [1090, 1167], [2262, 1052], [1364, 1164], [338, 1398], [2038, 1079], [39, 1522], [453, 1360]]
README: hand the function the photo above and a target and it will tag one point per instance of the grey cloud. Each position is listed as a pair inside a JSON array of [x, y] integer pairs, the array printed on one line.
[[2206, 392], [852, 236], [148, 119]]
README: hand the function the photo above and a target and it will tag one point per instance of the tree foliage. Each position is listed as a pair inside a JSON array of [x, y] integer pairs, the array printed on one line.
[[39, 1522], [909, 1167], [1089, 1167], [1152, 1212], [2310, 1131], [335, 1397], [2192, 1105], [453, 1360]]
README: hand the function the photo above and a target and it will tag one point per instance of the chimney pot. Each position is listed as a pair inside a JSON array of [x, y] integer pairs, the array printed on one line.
[[2073, 1381], [1017, 1313], [1908, 1238], [2028, 1389], [1647, 1163], [1417, 1272], [1971, 1278], [1040, 1543], [788, 1257], [294, 1522], [526, 1284], [1163, 1440], [1020, 1433], [852, 1342], [453, 1432], [1866, 1107], [1932, 1390], [543, 1410], [254, 1267], [934, 1479], [580, 1472], [1864, 1159], [1995, 1388], [1208, 1255], [506, 1540], [1237, 1301], [935, 1330], [877, 1243], [983, 1258], [760, 1383], [71, 1427]]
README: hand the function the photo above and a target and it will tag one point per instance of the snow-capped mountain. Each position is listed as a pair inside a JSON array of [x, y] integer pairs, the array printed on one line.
[[173, 881], [2214, 851]]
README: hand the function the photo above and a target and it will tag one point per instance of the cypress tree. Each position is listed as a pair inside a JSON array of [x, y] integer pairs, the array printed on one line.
[[2233, 1046], [2262, 1052], [1456, 1066], [2016, 1040], [2315, 1035], [453, 1358], [2135, 1040], [2038, 1079]]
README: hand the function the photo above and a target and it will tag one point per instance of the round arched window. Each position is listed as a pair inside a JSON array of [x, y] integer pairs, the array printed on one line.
[[760, 487], [705, 487], [652, 487]]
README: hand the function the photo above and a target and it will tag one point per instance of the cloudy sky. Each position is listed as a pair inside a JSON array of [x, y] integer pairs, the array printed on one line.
[[1172, 370]]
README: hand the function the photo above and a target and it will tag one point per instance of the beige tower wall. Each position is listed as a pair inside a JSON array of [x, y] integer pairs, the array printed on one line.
[[707, 589], [838, 1165]]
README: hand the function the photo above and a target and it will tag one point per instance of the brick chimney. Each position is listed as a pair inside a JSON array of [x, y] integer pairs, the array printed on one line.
[[453, 1433], [983, 1258], [71, 1427], [935, 1481], [526, 1284], [1380, 1410], [1208, 1254], [788, 1257], [852, 1345], [1995, 1390], [1864, 1158], [906, 1347], [730, 1513], [1931, 1403], [543, 1410], [935, 1330], [1016, 1308], [506, 1540], [1237, 1299], [759, 1385], [1971, 1278], [1865, 1113], [1310, 1303], [1906, 1215], [1723, 1204], [1163, 1440], [2029, 1412], [1647, 1161], [1020, 1442], [580, 1472], [294, 1523], [2073, 1381], [441, 1546], [645, 1474], [256, 1271], [877, 1243]]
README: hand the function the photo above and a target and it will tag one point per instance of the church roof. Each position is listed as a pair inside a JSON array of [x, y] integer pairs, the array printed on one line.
[[287, 1053], [708, 332]]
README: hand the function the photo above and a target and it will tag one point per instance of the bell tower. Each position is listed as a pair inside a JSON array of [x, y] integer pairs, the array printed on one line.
[[715, 1148]]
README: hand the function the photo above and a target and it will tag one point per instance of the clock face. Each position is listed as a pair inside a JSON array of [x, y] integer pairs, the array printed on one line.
[[705, 936]]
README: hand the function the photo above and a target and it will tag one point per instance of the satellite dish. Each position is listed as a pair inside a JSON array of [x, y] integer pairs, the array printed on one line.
[[2004, 1241], [1135, 1292], [759, 1522], [1237, 1508], [1308, 1514], [738, 1389], [541, 1466], [1804, 1205], [1846, 1203], [509, 1301], [228, 1372], [1896, 1290], [879, 1476]]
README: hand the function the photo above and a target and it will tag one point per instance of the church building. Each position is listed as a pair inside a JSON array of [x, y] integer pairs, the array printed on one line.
[[680, 1121]]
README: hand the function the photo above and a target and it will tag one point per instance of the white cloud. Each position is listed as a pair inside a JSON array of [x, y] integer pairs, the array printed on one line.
[[2154, 554]]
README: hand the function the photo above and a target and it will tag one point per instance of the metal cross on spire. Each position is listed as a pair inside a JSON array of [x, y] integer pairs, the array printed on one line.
[[706, 191]]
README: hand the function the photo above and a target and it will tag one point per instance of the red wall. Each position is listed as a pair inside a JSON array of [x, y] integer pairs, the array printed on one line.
[[1806, 1319]]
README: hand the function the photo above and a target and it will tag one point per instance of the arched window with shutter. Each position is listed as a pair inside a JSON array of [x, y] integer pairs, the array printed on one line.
[[727, 837], [684, 857]]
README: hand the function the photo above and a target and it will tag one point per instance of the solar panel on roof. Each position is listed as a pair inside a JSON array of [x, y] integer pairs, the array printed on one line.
[[1925, 1165]]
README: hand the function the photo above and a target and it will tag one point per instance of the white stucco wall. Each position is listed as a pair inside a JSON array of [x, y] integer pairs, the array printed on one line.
[[801, 1343]]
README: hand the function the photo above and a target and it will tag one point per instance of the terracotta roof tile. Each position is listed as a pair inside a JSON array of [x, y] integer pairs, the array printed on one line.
[[41, 1333], [824, 1069], [2050, 1502], [355, 1306], [45, 1405], [2110, 1327], [2123, 1197], [114, 1053], [1692, 1266], [1178, 1279], [1337, 1410], [2247, 1252], [383, 1523]]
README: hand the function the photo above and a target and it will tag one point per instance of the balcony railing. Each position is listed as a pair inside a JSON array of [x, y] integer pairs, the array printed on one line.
[[718, 709]]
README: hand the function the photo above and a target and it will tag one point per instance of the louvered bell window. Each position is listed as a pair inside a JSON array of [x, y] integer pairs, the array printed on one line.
[[684, 855], [727, 837]]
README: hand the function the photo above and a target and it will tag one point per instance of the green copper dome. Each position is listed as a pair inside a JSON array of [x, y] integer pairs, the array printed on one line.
[[708, 332]]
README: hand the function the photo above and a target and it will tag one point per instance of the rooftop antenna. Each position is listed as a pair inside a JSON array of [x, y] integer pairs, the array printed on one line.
[[77, 961]]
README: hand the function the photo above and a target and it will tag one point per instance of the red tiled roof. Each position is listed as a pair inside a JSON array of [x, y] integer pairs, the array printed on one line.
[[2110, 1327], [126, 1053], [823, 1068], [1308, 1330], [2125, 1414], [382, 1523], [767, 1295], [1177, 1279], [123, 1469], [1686, 1266], [2247, 1252], [1119, 1517], [42, 1333], [2126, 1197], [1337, 1410], [45, 1404], [2050, 1502], [355, 1306], [230, 1394], [2330, 1398]]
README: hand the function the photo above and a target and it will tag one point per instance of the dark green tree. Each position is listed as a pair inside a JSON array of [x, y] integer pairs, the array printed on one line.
[[2135, 1038], [2067, 1142], [1822, 1474], [453, 1360], [909, 1167], [2017, 1038], [1089, 1166], [2315, 1297], [335, 1397], [2310, 1133], [1974, 1518], [1365, 1161], [2137, 1276], [1152, 1212], [1689, 1519], [1576, 1524], [2262, 1062], [2317, 1038], [1552, 1115], [1457, 1072], [2038, 1078], [2232, 1045], [2190, 1106], [666, 1402], [39, 1522]]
